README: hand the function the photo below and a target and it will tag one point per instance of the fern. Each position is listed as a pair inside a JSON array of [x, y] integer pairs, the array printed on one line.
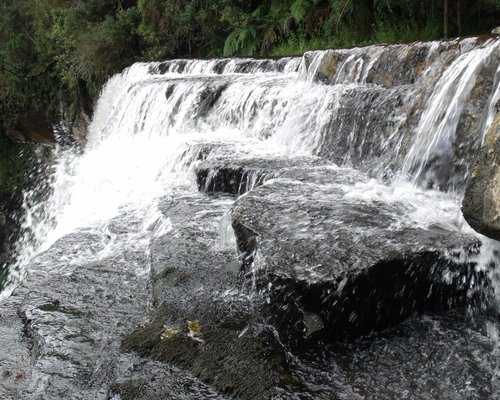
[[270, 37], [240, 39], [299, 8]]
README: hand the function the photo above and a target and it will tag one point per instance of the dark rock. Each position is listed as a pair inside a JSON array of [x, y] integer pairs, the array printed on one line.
[[398, 79], [352, 264], [3, 232], [481, 203], [33, 128], [61, 330], [237, 174], [372, 132], [10, 216], [207, 98], [386, 66], [4, 248], [201, 321]]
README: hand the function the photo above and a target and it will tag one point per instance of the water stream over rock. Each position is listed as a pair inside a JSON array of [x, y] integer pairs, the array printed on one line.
[[285, 229]]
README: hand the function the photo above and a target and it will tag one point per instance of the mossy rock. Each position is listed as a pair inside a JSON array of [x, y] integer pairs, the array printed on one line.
[[247, 366]]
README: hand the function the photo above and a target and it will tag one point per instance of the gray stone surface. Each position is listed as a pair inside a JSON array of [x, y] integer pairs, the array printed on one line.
[[481, 203], [61, 330], [356, 264], [203, 319]]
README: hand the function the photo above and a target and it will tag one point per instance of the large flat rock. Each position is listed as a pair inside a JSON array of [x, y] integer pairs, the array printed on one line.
[[338, 254], [236, 173], [202, 318], [61, 331]]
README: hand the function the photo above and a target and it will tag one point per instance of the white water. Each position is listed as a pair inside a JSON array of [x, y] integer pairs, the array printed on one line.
[[139, 143], [436, 131]]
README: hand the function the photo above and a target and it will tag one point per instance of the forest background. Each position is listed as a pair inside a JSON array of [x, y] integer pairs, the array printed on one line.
[[55, 55]]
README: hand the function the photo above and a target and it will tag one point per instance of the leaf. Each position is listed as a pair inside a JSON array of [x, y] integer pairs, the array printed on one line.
[[240, 39], [299, 8], [231, 43]]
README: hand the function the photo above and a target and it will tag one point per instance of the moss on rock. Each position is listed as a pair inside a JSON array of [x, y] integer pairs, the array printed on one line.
[[247, 366]]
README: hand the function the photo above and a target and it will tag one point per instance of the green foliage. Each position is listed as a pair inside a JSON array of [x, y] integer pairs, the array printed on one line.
[[241, 40], [299, 9], [15, 166], [180, 28], [47, 47]]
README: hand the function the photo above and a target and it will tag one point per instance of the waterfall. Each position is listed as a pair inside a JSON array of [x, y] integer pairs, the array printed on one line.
[[435, 134], [148, 116], [226, 203]]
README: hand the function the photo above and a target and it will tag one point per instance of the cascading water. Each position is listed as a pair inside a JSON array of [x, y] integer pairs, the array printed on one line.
[[410, 116]]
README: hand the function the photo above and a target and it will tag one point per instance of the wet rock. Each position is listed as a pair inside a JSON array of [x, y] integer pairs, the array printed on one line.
[[327, 67], [207, 98], [386, 66], [233, 174], [4, 245], [326, 255], [481, 203], [201, 321], [372, 132], [454, 169], [216, 66], [71, 317], [61, 330], [3, 232], [10, 213], [400, 79]]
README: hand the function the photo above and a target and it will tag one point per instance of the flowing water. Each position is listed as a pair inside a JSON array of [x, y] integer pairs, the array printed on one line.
[[411, 117]]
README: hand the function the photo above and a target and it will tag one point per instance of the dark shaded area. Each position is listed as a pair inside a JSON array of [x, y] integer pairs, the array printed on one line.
[[22, 166]]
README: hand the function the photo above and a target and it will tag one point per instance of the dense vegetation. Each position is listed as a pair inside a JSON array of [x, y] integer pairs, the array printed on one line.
[[57, 53]]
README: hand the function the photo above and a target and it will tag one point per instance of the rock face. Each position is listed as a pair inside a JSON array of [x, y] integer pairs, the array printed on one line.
[[3, 230], [61, 330], [4, 233], [323, 253], [317, 262], [481, 203], [398, 79], [201, 319], [10, 207]]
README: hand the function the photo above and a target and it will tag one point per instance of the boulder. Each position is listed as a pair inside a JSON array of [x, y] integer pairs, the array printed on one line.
[[32, 128], [201, 319], [61, 329], [236, 174], [338, 255], [481, 203]]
